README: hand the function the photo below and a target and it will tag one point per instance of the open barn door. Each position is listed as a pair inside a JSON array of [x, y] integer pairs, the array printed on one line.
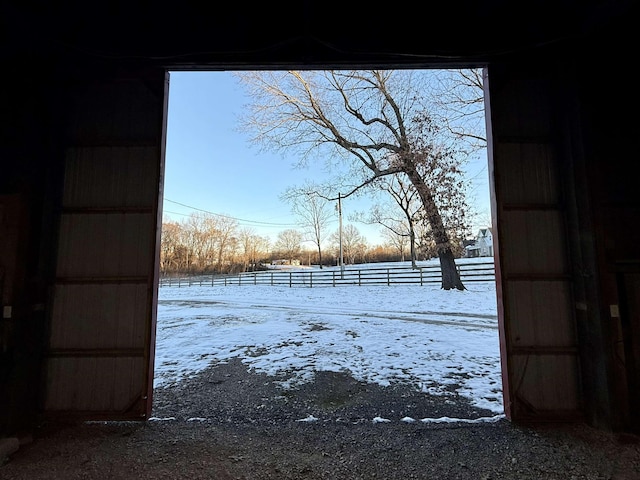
[[539, 342], [99, 362]]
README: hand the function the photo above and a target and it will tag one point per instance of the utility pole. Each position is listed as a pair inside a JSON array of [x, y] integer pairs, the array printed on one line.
[[340, 234]]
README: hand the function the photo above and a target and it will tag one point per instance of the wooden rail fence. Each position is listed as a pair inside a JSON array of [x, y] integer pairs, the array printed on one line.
[[334, 276]]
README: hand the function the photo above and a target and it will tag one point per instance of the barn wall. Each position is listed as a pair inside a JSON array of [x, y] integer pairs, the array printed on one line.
[[611, 321], [29, 185], [570, 321], [566, 242], [99, 353], [540, 350]]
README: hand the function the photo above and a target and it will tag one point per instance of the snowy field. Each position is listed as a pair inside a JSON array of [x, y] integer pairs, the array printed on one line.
[[439, 341]]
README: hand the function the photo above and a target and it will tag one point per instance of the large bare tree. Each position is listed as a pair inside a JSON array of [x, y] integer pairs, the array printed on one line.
[[373, 121]]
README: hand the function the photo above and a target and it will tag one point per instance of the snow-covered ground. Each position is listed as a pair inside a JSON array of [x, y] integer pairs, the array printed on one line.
[[434, 339]]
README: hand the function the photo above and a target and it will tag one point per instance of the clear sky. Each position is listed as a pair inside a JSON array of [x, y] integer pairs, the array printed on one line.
[[210, 166]]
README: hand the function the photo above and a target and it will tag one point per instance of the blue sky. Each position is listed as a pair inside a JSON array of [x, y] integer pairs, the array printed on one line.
[[212, 167]]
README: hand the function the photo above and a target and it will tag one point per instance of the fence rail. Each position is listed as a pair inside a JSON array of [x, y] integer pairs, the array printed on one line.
[[332, 277]]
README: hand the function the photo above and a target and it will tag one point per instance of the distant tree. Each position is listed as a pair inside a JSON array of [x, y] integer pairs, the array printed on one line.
[[354, 245], [201, 242], [288, 243], [253, 248], [381, 253], [314, 213], [405, 198], [221, 232], [195, 240], [397, 238], [374, 121], [170, 243]]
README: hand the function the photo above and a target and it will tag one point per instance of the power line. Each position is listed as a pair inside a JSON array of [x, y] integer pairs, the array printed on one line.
[[257, 222]]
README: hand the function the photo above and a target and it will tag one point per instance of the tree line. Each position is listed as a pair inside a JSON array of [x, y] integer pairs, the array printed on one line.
[[207, 243]]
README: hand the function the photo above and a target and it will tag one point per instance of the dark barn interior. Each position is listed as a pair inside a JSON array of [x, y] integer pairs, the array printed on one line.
[[84, 100]]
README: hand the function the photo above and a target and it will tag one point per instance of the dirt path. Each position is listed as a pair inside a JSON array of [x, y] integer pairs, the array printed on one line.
[[228, 423]]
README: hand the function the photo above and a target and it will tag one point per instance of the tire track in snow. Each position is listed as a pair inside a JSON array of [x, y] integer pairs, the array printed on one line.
[[482, 321]]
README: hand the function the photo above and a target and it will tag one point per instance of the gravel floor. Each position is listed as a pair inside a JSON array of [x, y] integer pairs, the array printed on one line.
[[228, 423]]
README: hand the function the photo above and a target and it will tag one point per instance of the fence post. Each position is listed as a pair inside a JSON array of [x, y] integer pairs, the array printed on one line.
[[290, 275], [272, 279], [179, 282], [310, 279], [359, 278], [388, 278], [333, 275]]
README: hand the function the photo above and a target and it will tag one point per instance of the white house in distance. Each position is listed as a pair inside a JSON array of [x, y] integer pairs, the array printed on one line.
[[482, 245]]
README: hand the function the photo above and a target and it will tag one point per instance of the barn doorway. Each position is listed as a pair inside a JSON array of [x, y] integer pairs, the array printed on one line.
[[216, 185]]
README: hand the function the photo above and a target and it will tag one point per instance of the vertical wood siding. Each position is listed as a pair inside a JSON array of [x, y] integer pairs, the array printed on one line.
[[103, 310], [539, 347]]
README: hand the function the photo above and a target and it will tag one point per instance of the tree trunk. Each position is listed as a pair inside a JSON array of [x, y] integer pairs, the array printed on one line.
[[449, 272], [412, 246], [320, 255]]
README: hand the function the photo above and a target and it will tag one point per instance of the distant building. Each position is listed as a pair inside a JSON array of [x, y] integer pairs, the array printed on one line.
[[282, 262], [482, 244]]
